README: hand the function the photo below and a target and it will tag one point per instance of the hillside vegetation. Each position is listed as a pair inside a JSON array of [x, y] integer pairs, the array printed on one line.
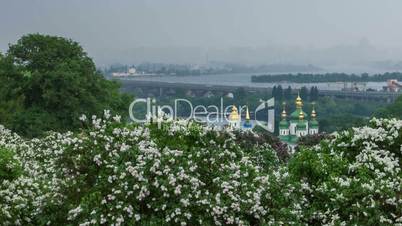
[[392, 110], [112, 173]]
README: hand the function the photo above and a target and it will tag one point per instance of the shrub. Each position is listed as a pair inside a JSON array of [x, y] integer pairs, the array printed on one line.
[[179, 173], [183, 173], [355, 179], [10, 167]]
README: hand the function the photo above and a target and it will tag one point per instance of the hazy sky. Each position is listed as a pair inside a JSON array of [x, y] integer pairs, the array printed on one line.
[[117, 30]]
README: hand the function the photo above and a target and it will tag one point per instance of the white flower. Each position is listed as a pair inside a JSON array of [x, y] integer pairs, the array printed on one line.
[[97, 159], [83, 118], [117, 118], [137, 217], [72, 214], [106, 114]]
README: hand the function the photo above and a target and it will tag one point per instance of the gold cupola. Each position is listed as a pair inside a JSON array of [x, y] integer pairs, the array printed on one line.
[[313, 113], [283, 115], [247, 114], [301, 116], [299, 101], [234, 115]]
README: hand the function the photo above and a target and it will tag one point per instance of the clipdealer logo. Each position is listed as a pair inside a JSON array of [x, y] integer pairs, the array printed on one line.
[[211, 114]]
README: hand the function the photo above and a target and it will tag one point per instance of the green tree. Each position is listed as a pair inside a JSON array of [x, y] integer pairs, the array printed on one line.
[[277, 92], [304, 93], [56, 82], [12, 97], [274, 91], [313, 93], [392, 111], [288, 93], [279, 95], [240, 93]]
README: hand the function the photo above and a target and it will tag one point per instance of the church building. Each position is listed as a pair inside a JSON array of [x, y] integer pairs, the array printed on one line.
[[296, 125], [235, 121], [291, 128]]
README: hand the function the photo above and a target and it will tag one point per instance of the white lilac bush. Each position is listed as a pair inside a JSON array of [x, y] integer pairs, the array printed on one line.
[[354, 179], [112, 173], [25, 199], [183, 173]]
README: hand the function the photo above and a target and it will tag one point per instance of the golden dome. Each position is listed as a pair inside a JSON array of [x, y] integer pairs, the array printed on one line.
[[234, 115], [283, 115], [299, 102], [301, 115], [313, 113], [247, 114]]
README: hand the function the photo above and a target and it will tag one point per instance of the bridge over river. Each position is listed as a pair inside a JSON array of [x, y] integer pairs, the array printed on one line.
[[156, 88]]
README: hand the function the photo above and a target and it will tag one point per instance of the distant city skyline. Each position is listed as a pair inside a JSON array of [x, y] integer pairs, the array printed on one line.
[[315, 32]]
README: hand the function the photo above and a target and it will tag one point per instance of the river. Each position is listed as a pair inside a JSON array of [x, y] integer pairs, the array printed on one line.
[[244, 79]]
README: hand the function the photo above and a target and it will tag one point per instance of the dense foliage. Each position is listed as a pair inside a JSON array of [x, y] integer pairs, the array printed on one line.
[[183, 173], [46, 82], [393, 110], [281, 94], [334, 114], [10, 168], [328, 77], [356, 178], [312, 140]]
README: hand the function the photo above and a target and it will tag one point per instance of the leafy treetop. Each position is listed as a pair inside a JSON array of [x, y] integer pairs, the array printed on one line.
[[48, 82]]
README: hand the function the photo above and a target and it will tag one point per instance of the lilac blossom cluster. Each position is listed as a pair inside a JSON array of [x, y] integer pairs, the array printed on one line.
[[183, 173]]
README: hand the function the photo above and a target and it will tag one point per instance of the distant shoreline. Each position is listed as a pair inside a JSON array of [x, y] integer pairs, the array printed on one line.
[[325, 78]]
